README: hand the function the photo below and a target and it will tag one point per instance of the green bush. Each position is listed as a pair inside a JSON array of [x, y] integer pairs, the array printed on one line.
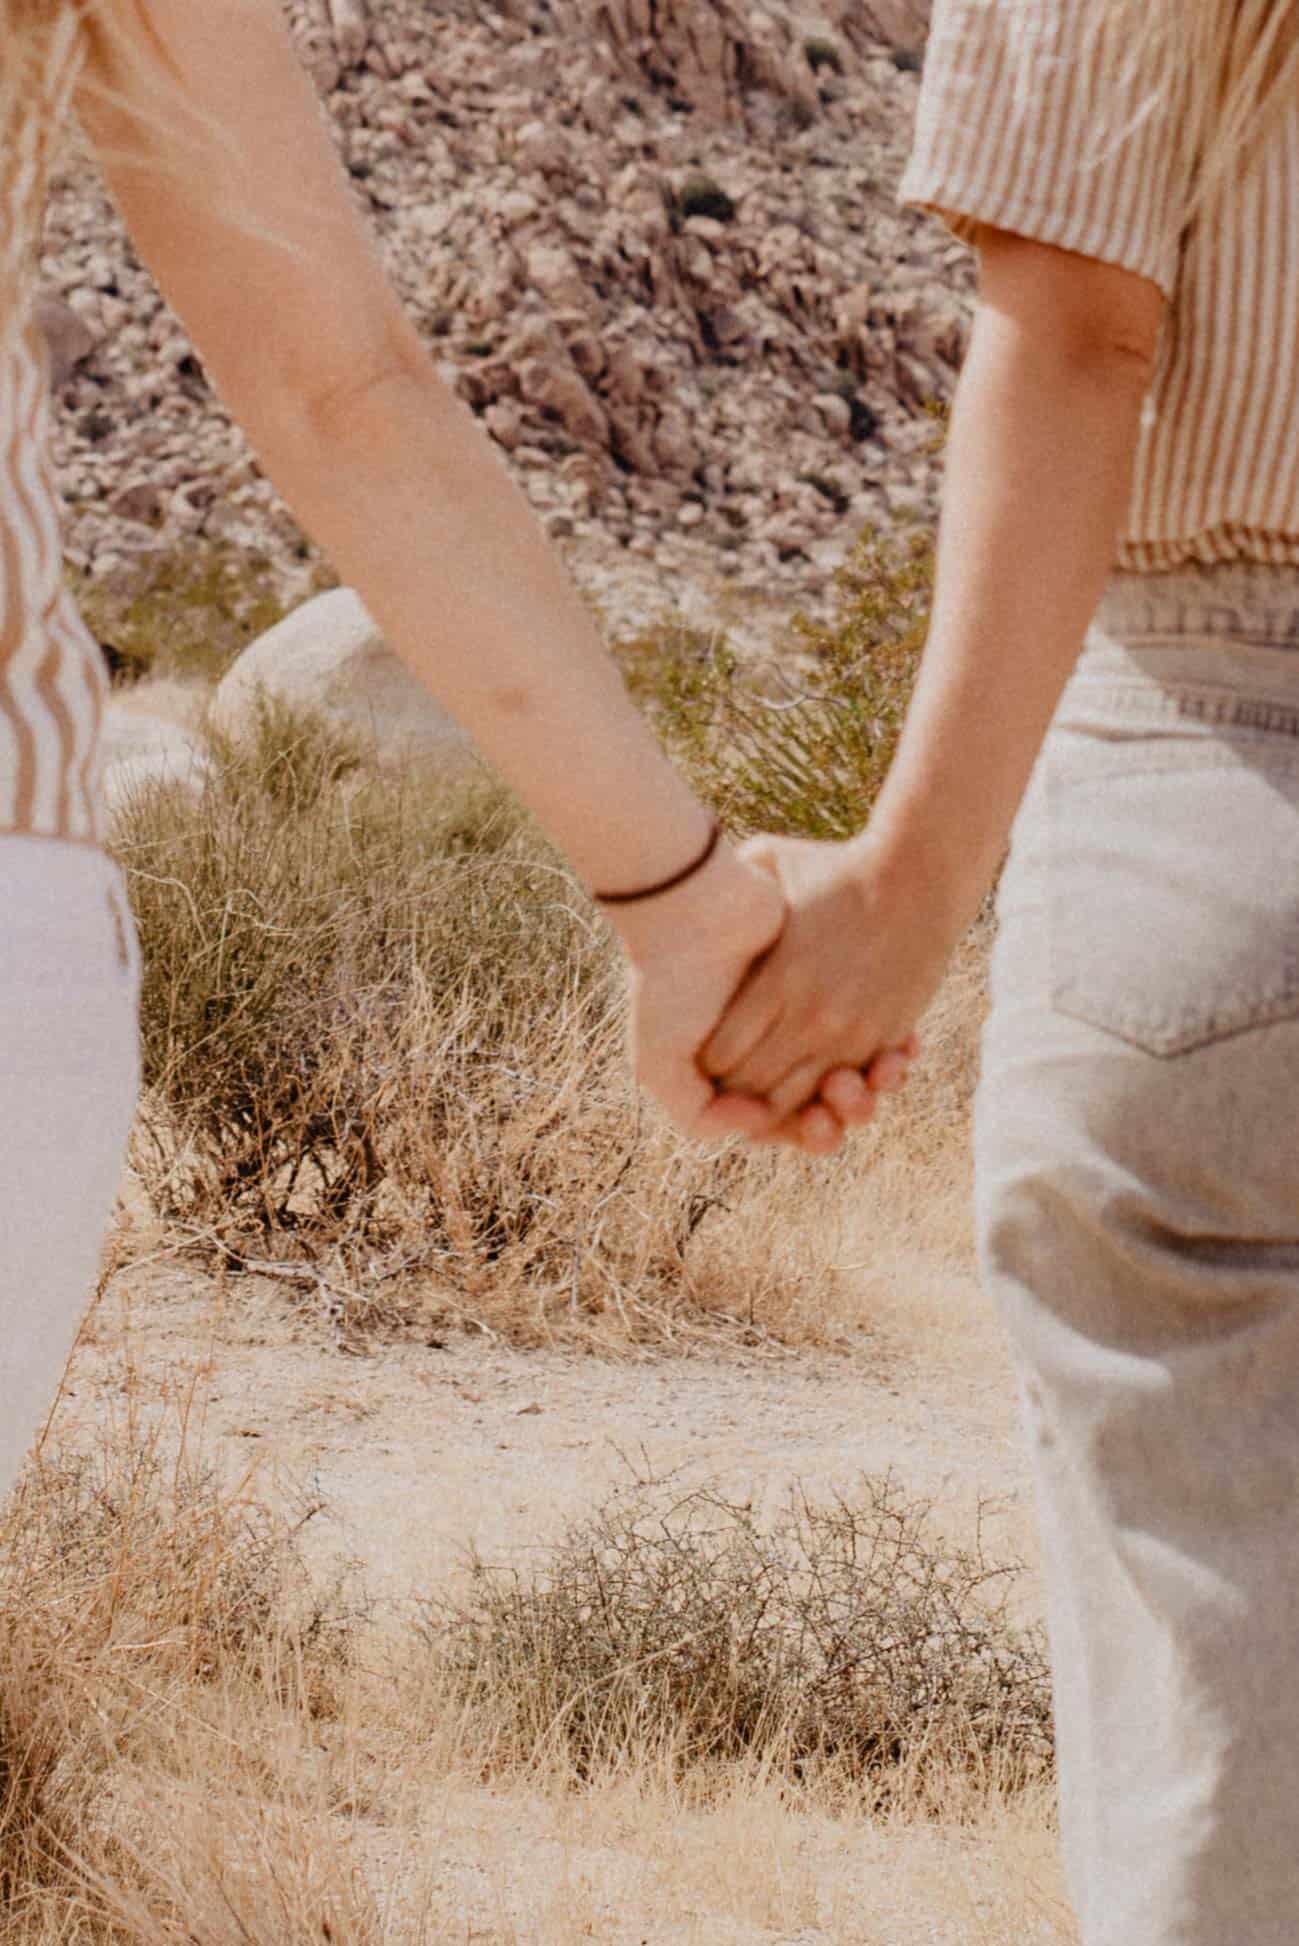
[[800, 745]]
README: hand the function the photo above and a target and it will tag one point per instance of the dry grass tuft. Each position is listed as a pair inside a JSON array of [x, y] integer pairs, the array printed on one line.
[[384, 1030], [166, 1662], [384, 1040], [194, 1746]]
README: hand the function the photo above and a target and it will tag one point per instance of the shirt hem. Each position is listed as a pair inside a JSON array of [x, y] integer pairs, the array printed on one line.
[[1215, 548], [81, 841], [962, 209]]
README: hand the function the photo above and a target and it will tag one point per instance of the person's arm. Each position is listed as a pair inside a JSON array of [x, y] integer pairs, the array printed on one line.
[[1039, 475], [226, 175], [314, 355], [1039, 462]]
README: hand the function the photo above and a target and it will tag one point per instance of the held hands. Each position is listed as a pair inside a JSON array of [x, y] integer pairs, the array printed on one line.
[[825, 1020], [785, 1021]]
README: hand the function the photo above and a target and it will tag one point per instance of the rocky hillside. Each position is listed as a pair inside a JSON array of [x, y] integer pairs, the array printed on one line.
[[653, 243]]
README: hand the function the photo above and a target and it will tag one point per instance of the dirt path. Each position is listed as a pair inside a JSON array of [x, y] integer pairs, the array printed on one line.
[[420, 1452]]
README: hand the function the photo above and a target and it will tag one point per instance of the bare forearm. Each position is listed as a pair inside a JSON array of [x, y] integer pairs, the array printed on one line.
[[416, 511], [1039, 466]]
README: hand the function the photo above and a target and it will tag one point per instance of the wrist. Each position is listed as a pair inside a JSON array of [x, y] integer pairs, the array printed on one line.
[[724, 905], [667, 884], [911, 866]]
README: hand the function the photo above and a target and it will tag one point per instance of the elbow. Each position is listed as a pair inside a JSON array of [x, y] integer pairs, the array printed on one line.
[[1068, 354], [1120, 354], [357, 368], [1093, 318]]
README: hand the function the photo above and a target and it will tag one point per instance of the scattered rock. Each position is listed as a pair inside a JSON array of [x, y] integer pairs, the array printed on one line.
[[651, 240], [560, 389], [143, 501], [701, 196], [350, 28]]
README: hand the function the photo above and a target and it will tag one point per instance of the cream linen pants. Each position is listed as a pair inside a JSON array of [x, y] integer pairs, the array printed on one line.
[[1137, 1171], [69, 1075]]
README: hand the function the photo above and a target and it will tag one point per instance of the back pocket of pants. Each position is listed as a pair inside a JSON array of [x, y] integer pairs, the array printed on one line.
[[1173, 885]]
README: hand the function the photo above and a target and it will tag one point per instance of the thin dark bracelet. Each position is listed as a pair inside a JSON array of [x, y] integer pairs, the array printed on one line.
[[666, 884]]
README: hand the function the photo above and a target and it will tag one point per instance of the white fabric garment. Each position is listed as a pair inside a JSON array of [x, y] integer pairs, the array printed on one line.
[[69, 1078]]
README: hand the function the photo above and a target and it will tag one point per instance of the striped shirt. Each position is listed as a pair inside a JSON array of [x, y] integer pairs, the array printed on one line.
[[1026, 125], [53, 682]]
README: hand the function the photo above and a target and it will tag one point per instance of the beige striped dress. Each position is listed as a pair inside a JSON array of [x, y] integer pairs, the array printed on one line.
[[53, 682], [1026, 122]]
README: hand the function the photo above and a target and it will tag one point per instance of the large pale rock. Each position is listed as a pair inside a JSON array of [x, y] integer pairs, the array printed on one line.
[[329, 656], [141, 749]]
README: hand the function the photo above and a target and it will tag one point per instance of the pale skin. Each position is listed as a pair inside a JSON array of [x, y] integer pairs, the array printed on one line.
[[1038, 477], [800, 971]]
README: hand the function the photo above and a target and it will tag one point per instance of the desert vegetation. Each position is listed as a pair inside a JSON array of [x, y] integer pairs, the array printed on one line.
[[383, 1033], [163, 1658], [201, 1742], [799, 745], [838, 1643]]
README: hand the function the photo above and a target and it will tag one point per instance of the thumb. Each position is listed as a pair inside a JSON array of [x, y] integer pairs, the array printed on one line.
[[683, 1091], [762, 853]]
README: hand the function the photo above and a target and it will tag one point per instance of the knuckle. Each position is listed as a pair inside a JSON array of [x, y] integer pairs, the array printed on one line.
[[829, 1018], [714, 1056]]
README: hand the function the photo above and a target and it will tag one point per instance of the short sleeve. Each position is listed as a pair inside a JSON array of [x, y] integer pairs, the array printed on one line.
[[1034, 118]]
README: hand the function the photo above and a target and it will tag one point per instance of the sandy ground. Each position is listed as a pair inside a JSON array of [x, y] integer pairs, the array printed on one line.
[[420, 1451]]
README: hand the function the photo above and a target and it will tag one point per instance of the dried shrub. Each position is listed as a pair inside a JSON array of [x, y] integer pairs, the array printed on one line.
[[672, 1625], [384, 1039], [384, 1030], [143, 1607]]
